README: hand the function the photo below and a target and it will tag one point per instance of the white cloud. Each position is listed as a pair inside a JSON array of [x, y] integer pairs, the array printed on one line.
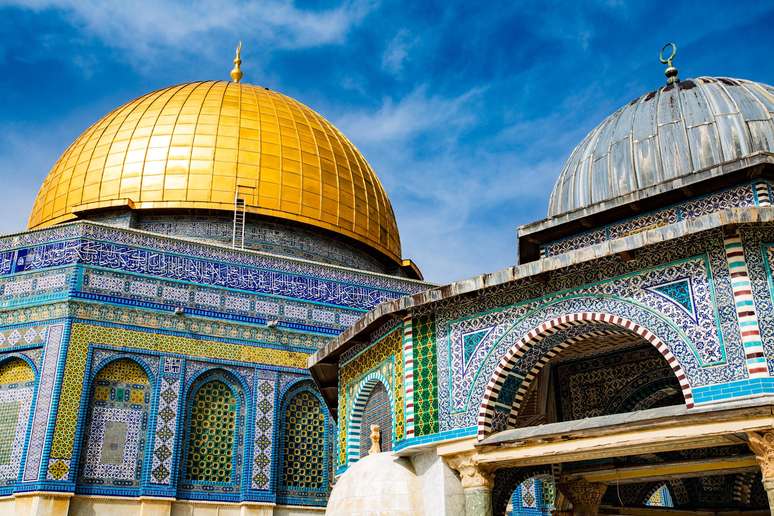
[[414, 114], [147, 29], [458, 202], [398, 52]]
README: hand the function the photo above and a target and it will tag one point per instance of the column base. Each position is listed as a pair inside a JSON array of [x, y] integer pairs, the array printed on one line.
[[478, 501]]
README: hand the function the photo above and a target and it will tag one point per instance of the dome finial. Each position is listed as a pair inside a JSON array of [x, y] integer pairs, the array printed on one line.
[[671, 71], [236, 72]]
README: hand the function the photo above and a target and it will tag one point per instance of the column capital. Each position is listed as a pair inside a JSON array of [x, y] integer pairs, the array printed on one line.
[[762, 445], [585, 496], [472, 473]]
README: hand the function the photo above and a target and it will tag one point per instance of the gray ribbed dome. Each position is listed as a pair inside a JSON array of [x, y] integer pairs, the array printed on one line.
[[664, 135]]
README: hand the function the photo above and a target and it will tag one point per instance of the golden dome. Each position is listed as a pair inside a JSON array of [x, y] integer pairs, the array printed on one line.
[[197, 145]]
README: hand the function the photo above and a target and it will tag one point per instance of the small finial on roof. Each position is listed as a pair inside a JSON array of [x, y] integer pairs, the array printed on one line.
[[236, 72], [671, 71]]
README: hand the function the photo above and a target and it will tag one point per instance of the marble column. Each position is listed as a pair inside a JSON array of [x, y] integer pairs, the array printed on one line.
[[762, 445], [476, 484], [585, 496]]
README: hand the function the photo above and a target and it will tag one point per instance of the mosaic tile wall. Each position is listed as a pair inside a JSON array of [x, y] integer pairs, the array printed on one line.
[[758, 242], [425, 376], [737, 197], [111, 293], [82, 334], [146, 254], [117, 428], [261, 235], [679, 291], [226, 304], [529, 499], [382, 360], [698, 320], [17, 384]]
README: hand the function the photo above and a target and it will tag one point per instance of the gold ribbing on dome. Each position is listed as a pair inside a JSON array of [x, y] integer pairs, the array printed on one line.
[[236, 72], [193, 145], [671, 71]]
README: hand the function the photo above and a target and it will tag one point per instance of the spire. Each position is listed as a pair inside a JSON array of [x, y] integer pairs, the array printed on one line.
[[236, 72], [671, 71]]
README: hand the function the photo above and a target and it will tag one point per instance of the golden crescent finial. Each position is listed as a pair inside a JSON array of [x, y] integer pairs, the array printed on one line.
[[671, 71], [236, 72]]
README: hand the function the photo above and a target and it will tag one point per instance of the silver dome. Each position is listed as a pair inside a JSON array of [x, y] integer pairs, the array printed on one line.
[[664, 135]]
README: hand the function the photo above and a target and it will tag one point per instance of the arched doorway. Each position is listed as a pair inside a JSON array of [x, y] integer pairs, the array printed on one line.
[[376, 412], [529, 387]]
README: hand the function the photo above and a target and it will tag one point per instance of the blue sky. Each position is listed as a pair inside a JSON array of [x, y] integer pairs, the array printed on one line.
[[466, 110]]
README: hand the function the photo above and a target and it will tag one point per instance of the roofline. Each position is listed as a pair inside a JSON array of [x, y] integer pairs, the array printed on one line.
[[533, 234], [686, 227]]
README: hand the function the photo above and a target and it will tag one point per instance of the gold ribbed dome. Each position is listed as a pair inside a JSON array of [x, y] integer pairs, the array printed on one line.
[[195, 145]]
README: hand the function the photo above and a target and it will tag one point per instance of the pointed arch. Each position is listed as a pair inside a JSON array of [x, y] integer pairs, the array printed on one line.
[[551, 327], [355, 423], [304, 446], [214, 440], [116, 433]]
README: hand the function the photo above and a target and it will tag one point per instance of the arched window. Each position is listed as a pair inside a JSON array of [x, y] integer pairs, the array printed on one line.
[[117, 426], [305, 449], [213, 459], [17, 382], [376, 412]]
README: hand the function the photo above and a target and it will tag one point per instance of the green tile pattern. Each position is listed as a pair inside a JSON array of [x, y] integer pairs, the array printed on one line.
[[425, 376]]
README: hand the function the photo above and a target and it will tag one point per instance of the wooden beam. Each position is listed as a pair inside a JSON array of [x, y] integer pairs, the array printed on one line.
[[668, 470], [677, 437]]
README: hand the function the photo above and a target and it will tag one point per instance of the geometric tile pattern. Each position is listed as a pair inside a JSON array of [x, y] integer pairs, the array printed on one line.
[[738, 196], [264, 426], [166, 427], [131, 290], [117, 426], [617, 288], [528, 497], [425, 376], [614, 382], [48, 375], [547, 328], [82, 334], [17, 384], [357, 430], [679, 292], [23, 336], [470, 342]]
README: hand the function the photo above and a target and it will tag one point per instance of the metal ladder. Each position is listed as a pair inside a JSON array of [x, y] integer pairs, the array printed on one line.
[[238, 233]]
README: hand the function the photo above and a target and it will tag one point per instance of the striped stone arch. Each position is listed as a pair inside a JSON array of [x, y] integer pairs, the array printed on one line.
[[364, 389], [551, 327], [524, 386]]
